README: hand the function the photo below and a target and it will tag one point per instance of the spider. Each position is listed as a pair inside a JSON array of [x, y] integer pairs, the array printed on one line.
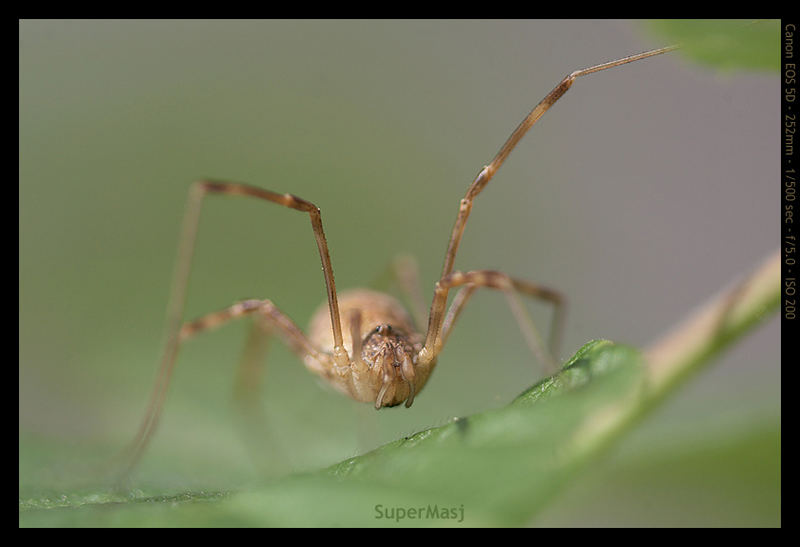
[[363, 342]]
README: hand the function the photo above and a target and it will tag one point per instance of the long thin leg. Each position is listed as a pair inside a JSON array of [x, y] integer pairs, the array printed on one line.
[[262, 444], [473, 280], [200, 189], [183, 265], [250, 372], [436, 316], [292, 334], [355, 336]]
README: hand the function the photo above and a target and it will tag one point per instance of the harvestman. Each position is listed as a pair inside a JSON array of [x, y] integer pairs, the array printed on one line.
[[380, 356]]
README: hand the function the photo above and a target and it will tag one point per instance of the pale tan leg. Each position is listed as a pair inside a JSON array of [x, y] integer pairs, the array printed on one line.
[[355, 336], [436, 316], [251, 369], [473, 280], [265, 453]]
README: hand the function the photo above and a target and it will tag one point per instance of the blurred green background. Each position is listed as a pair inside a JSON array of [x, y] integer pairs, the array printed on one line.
[[641, 193]]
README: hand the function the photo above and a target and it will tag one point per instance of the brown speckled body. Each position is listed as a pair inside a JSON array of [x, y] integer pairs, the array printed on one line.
[[386, 335]]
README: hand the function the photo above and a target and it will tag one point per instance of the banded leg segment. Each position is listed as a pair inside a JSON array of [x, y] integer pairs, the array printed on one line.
[[439, 303], [471, 281]]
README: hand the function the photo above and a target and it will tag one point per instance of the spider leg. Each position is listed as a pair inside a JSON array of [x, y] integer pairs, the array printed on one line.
[[314, 359], [175, 331], [428, 354], [250, 372], [197, 194], [471, 281]]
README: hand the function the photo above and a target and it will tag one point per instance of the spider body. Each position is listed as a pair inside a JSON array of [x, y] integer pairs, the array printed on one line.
[[361, 341], [383, 343]]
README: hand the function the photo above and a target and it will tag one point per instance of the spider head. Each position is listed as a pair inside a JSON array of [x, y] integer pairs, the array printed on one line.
[[390, 355]]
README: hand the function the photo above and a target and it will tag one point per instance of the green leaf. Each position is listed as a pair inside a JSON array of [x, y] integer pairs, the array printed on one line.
[[497, 468], [726, 45], [494, 468]]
